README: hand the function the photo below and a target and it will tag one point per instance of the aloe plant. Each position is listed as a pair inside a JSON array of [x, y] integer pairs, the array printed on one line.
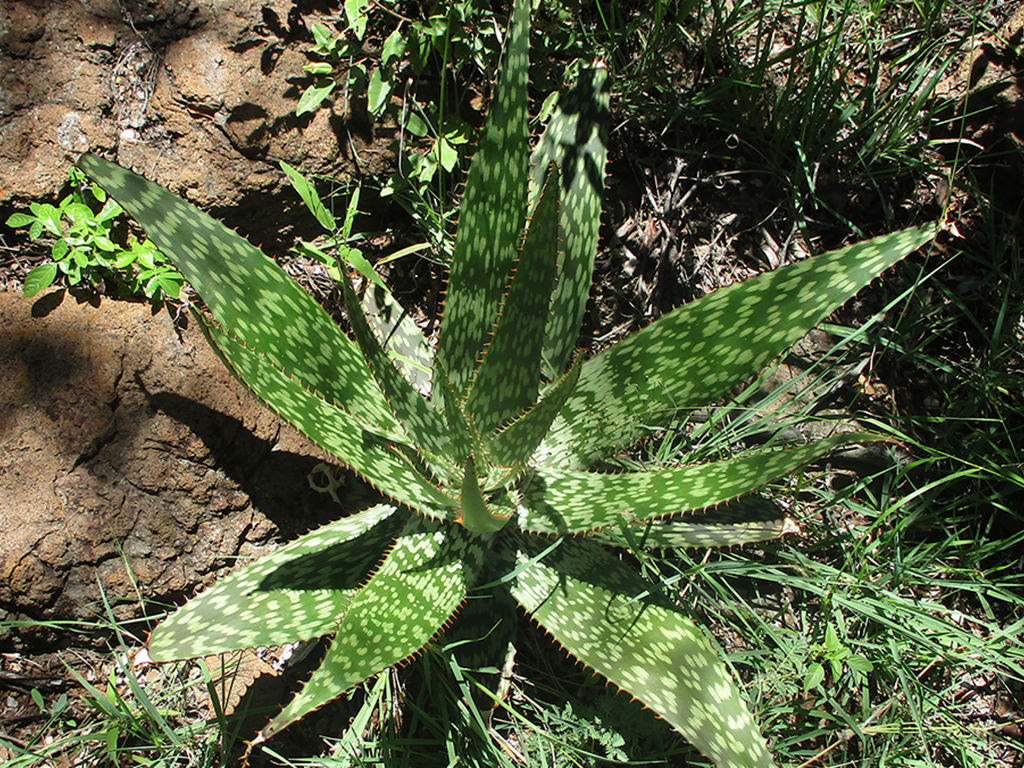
[[490, 475]]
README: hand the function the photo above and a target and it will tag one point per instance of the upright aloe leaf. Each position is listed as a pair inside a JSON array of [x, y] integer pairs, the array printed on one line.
[[575, 140], [475, 514], [516, 442], [246, 292], [491, 217], [507, 382], [696, 353], [608, 618]]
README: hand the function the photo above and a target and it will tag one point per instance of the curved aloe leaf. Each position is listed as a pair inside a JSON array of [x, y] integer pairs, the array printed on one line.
[[575, 140], [475, 514], [296, 593], [248, 293], [330, 426], [575, 501], [605, 615], [491, 217], [429, 568], [697, 352]]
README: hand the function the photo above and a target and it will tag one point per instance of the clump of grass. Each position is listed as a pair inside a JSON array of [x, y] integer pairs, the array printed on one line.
[[830, 101], [109, 712]]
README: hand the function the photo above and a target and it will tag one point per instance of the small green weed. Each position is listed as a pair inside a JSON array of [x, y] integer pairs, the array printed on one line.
[[371, 62], [89, 248]]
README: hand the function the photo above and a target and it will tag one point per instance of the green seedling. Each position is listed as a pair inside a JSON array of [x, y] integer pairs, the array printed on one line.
[[87, 250]]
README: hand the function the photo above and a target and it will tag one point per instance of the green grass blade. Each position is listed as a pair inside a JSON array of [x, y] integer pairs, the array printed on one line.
[[697, 352], [575, 501], [515, 443], [492, 215], [246, 292], [408, 600], [605, 616], [508, 380], [330, 426], [575, 139], [295, 593]]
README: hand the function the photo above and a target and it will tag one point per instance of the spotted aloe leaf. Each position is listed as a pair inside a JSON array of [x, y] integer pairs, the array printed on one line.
[[515, 443], [429, 568], [246, 292], [491, 217], [420, 417], [744, 521], [509, 375], [296, 593], [398, 333], [330, 426], [696, 353], [575, 141], [568, 501], [607, 616]]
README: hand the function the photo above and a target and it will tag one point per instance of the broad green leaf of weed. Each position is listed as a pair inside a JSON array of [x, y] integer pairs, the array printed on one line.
[[39, 278], [314, 95], [310, 197]]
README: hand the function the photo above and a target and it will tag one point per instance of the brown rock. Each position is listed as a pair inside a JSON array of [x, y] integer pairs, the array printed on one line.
[[130, 456], [195, 94]]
